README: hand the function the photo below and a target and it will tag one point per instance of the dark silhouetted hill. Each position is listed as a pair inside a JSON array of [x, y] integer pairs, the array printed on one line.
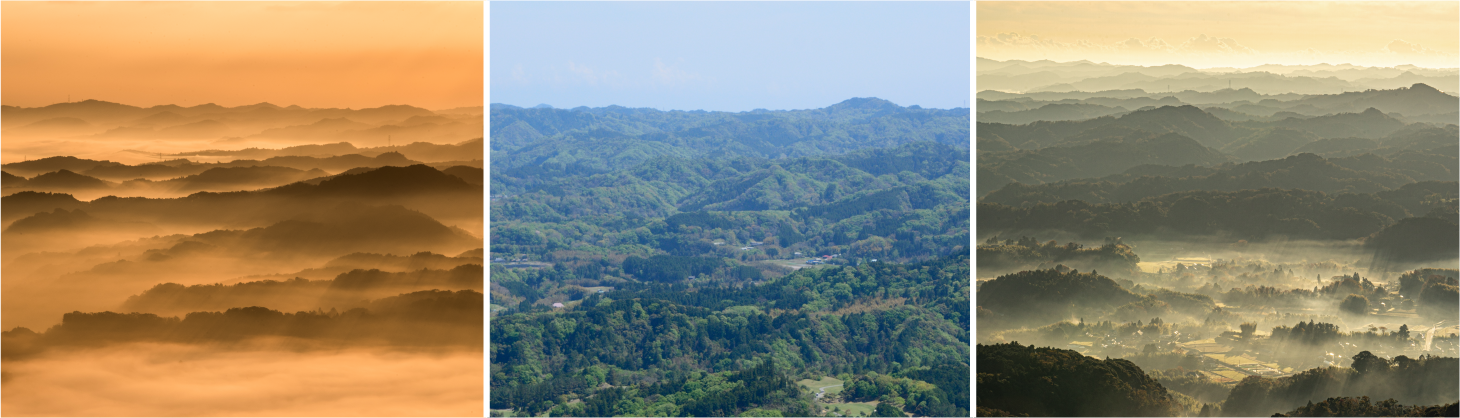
[[23, 204], [238, 178], [428, 318], [1413, 240], [1187, 120], [1371, 123], [1031, 381], [1362, 407], [1419, 137], [1103, 157], [471, 175], [50, 164], [10, 180], [45, 222], [1417, 381], [383, 181], [1419, 99], [417, 261], [61, 224], [1040, 297], [1050, 112], [1268, 144], [348, 289], [65, 180], [1360, 174], [1338, 147], [351, 228]]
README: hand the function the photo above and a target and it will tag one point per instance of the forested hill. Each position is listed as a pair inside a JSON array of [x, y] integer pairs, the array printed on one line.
[[653, 263], [586, 139], [894, 332]]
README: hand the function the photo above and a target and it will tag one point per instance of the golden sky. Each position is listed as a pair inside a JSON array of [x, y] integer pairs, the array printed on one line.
[[313, 54], [1219, 34]]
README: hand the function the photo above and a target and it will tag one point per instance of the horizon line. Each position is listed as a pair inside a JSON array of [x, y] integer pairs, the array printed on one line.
[[1202, 68], [726, 111], [230, 107]]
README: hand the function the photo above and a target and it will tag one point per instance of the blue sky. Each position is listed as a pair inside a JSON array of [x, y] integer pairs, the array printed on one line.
[[729, 56]]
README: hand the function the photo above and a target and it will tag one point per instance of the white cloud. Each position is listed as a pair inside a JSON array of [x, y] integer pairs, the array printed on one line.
[[671, 75], [1400, 47], [519, 75], [1011, 39], [584, 72], [1198, 45], [1203, 43], [1153, 44]]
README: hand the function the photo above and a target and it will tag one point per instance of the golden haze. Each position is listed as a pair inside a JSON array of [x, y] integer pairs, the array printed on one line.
[[312, 54]]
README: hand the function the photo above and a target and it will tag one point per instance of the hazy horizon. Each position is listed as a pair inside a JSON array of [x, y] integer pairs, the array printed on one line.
[[315, 54], [1207, 209], [1247, 67], [1222, 34], [266, 102], [242, 209]]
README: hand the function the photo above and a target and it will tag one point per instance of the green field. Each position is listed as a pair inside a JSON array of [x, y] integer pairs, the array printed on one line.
[[833, 385], [799, 263]]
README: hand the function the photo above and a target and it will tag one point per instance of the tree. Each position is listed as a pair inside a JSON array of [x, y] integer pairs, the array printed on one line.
[[1365, 362], [885, 410], [1403, 333], [1355, 304], [1247, 330]]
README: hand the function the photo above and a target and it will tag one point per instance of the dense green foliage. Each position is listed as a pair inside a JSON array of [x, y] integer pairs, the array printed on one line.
[[830, 321], [903, 203], [1054, 382], [602, 139], [1045, 296], [1361, 407], [1422, 381], [927, 392], [1190, 382]]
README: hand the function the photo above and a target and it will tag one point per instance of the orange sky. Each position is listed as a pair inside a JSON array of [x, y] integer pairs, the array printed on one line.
[[313, 54]]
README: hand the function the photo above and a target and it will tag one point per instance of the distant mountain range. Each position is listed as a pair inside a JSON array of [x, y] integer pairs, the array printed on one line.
[[436, 193], [1341, 117], [1044, 152], [603, 139], [1050, 76], [1416, 103], [106, 120]]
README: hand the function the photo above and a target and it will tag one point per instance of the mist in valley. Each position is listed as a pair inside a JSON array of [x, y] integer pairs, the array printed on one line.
[[255, 378], [1223, 240], [277, 273], [281, 275]]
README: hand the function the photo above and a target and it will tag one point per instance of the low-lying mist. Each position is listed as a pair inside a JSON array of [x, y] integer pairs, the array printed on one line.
[[263, 378]]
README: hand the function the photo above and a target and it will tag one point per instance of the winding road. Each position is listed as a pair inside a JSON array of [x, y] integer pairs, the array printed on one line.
[[823, 391]]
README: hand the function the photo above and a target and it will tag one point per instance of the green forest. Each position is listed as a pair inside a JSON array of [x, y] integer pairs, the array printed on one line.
[[653, 263]]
